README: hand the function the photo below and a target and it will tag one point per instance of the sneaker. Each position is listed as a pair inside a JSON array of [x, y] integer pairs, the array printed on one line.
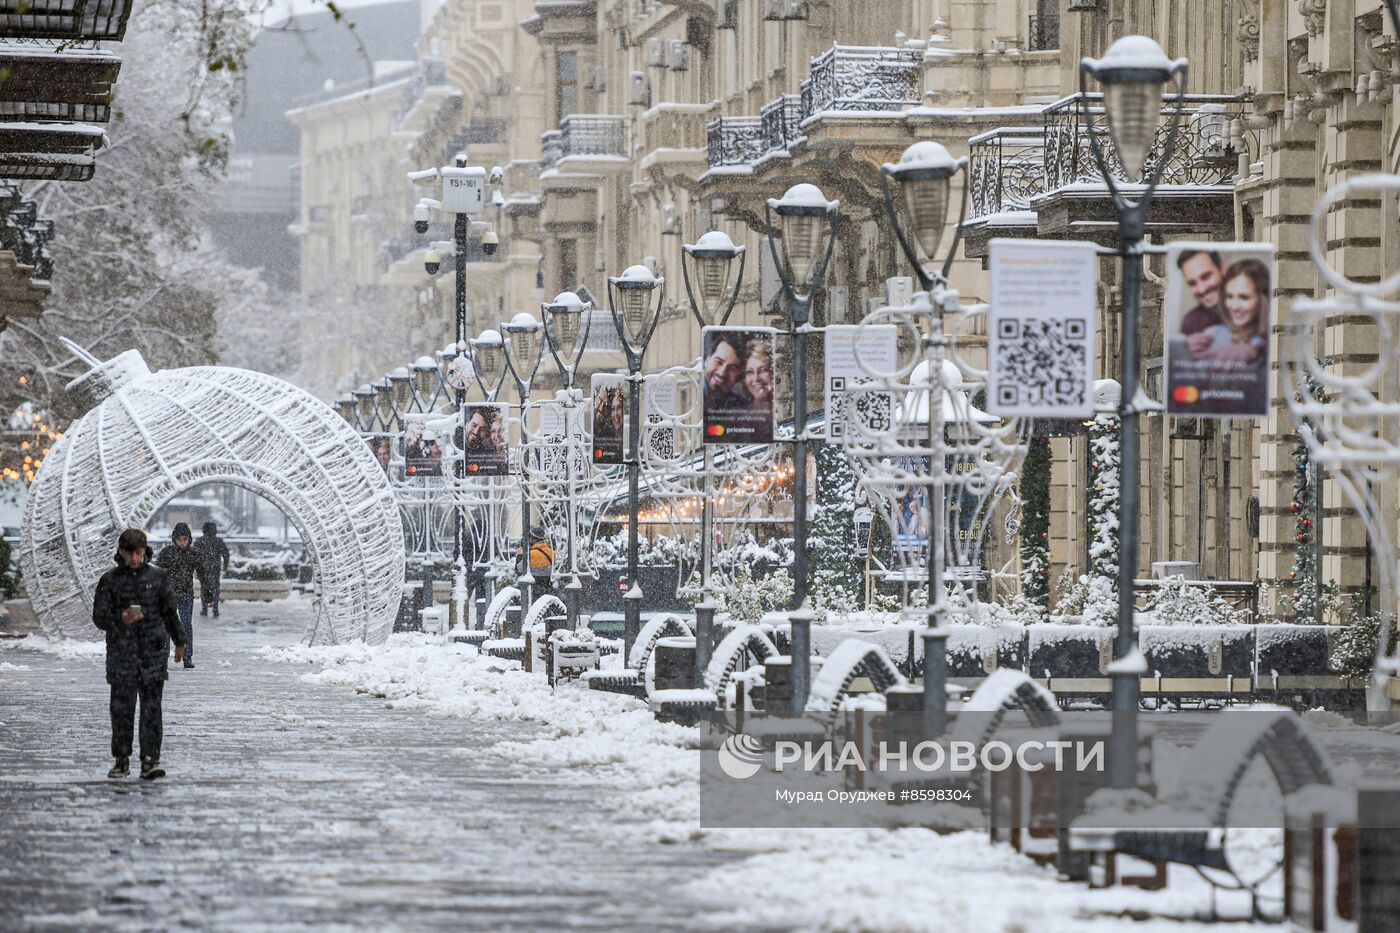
[[151, 769], [189, 664], [121, 769]]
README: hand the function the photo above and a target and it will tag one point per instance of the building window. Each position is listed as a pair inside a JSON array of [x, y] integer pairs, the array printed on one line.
[[566, 85], [1044, 32]]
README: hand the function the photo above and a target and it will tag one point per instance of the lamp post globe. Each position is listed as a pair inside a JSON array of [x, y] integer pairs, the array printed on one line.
[[489, 356], [634, 288], [425, 380], [804, 219], [400, 389], [1132, 73], [523, 332], [709, 264], [924, 174], [565, 315]]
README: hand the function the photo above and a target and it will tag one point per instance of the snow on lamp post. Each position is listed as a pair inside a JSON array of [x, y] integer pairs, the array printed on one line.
[[568, 319], [364, 407], [635, 316], [1132, 73], [807, 224], [489, 362], [924, 174], [709, 264], [426, 381], [524, 351]]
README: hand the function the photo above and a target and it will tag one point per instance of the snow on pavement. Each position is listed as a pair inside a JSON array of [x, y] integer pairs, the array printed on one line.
[[818, 879]]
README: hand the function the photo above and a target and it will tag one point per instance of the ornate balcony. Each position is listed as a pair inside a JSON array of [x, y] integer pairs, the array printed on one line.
[[74, 85], [80, 20], [48, 151], [1006, 169], [1205, 152], [780, 118], [734, 141], [25, 264], [551, 148], [862, 78], [593, 135], [673, 132], [427, 90]]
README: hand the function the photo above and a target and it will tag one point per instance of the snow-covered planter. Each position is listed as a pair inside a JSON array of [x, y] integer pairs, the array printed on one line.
[[1285, 649], [1198, 650], [1069, 650], [980, 650]]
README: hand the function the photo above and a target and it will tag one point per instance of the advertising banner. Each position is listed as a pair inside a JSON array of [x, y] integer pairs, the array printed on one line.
[[1040, 328], [737, 368], [382, 446], [1218, 310], [852, 351], [486, 440], [609, 419], [421, 448]]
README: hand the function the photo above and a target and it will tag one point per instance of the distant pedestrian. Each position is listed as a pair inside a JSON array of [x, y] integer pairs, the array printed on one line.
[[181, 561], [541, 559], [213, 564], [135, 606]]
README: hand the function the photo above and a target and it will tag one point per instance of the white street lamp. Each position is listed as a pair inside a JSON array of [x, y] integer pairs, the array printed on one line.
[[924, 174], [1132, 73], [710, 264], [567, 321], [807, 221], [489, 360]]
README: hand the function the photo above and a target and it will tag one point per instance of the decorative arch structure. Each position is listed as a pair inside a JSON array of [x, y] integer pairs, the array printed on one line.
[[663, 626], [147, 437], [731, 649], [1004, 690], [851, 659]]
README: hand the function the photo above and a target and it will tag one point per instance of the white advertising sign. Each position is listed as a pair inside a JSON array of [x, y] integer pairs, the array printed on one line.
[[1040, 328], [847, 347]]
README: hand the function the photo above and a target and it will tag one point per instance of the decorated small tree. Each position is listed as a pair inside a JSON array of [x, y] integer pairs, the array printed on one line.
[[837, 574], [1035, 522]]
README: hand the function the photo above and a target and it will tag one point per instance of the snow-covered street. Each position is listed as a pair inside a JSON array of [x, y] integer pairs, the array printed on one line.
[[290, 804], [415, 786]]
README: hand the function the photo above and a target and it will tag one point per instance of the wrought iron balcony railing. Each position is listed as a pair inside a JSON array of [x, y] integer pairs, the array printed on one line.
[[1007, 169], [65, 19], [551, 148], [24, 234], [848, 77], [780, 120], [1205, 154], [1043, 33], [430, 73], [734, 141], [593, 134]]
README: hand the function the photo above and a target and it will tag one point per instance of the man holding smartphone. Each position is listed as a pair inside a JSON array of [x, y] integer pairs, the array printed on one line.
[[135, 606]]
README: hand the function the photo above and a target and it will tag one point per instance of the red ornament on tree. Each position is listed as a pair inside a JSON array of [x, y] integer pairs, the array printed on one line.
[[1307, 523], [1302, 538], [1294, 506]]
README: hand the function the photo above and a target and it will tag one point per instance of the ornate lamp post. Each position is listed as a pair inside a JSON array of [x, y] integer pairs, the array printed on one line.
[[567, 320], [364, 407], [712, 301], [524, 351], [345, 406], [1132, 73], [924, 176], [425, 383], [807, 223], [635, 317]]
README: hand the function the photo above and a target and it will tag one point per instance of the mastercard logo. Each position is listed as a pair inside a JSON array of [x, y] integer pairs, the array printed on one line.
[[597, 453], [473, 467], [1187, 394], [715, 430]]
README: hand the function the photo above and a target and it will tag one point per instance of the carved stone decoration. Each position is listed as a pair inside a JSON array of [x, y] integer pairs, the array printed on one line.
[[1247, 35], [1314, 14]]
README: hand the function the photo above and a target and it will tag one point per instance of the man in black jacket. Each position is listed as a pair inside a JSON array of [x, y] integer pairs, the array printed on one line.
[[213, 564], [181, 562], [134, 605]]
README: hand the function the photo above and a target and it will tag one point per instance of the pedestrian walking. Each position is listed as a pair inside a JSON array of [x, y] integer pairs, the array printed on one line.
[[541, 559], [213, 564], [181, 562], [135, 606]]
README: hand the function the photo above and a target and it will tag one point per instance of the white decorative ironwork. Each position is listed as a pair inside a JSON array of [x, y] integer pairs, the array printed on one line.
[[150, 436], [1348, 417]]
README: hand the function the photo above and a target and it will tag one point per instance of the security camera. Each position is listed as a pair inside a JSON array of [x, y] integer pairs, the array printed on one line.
[[498, 175], [432, 262], [489, 241], [421, 215]]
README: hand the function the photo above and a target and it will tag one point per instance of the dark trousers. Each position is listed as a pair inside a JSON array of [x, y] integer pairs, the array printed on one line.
[[209, 596], [185, 609], [124, 694]]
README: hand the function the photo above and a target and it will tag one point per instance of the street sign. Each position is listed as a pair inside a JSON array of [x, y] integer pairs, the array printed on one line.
[[1040, 328]]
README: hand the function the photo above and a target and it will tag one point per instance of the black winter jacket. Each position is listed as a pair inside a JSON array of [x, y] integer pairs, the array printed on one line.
[[213, 556], [137, 652], [181, 564]]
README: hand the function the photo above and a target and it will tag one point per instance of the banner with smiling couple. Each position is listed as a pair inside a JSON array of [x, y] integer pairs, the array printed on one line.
[[737, 368], [1219, 311]]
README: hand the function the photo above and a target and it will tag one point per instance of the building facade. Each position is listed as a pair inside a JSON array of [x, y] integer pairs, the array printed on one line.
[[630, 127]]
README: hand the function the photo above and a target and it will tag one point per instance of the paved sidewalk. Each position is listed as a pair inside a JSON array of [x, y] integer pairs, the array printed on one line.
[[290, 805]]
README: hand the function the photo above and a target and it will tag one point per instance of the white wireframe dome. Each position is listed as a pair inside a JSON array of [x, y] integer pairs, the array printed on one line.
[[152, 436]]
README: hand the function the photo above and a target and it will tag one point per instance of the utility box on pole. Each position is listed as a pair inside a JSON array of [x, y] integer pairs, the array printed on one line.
[[463, 190]]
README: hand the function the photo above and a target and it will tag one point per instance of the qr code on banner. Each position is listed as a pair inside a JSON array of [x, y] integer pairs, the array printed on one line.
[[1040, 363], [870, 413], [662, 441]]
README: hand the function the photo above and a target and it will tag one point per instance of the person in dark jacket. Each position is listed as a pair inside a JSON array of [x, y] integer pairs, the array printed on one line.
[[135, 606], [213, 564], [181, 562]]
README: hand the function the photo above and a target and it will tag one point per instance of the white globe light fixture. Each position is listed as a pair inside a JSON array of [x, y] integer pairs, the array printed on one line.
[[633, 312], [567, 332], [489, 361], [523, 333], [924, 175], [710, 264], [807, 223]]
